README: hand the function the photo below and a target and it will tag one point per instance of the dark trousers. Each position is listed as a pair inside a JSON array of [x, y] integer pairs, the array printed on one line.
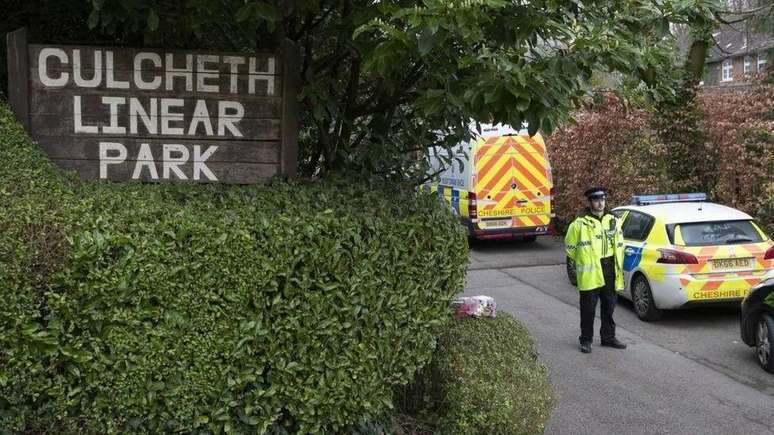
[[607, 297]]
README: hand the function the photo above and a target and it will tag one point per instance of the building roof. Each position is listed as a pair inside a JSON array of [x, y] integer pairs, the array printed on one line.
[[737, 40], [684, 212]]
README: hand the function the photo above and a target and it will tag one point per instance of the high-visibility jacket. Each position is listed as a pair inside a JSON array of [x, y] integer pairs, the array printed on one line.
[[590, 239]]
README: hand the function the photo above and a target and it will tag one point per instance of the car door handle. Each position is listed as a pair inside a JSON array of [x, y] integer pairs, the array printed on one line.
[[629, 251]]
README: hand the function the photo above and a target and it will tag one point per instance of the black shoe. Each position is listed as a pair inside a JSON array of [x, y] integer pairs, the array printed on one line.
[[585, 347], [614, 343]]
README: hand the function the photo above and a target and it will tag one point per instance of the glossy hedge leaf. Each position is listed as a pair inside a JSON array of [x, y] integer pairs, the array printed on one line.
[[178, 308]]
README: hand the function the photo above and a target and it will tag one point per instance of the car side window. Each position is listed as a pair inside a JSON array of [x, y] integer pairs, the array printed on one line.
[[637, 226]]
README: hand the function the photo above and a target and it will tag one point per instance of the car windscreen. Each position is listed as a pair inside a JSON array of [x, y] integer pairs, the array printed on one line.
[[714, 233]]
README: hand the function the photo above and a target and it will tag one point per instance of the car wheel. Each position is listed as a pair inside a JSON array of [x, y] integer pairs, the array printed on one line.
[[642, 298], [764, 338]]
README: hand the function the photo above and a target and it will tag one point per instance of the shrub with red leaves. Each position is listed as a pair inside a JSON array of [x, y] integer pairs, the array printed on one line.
[[613, 145]]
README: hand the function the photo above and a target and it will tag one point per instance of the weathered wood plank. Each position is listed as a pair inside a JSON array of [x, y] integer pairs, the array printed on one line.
[[230, 173], [76, 148], [124, 59], [63, 125], [122, 113], [91, 104], [227, 85], [18, 75]]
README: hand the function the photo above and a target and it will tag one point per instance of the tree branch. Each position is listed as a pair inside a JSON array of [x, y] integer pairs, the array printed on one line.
[[345, 122], [719, 47], [747, 12], [310, 23], [395, 100]]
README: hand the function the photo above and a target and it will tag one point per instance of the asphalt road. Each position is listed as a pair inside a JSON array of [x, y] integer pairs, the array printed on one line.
[[687, 373]]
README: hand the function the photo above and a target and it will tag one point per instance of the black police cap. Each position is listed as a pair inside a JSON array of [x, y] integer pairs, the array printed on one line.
[[594, 192]]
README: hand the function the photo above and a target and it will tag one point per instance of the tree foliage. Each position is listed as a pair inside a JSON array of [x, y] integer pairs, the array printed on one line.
[[737, 152], [182, 308], [758, 14], [381, 80]]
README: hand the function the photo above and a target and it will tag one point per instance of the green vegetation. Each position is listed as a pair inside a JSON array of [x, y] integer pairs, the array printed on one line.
[[484, 378], [380, 79], [639, 160], [154, 308]]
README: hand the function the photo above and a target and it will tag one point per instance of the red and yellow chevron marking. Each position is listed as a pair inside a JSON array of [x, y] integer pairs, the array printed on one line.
[[757, 251], [711, 284], [703, 254], [503, 161], [531, 220], [734, 287]]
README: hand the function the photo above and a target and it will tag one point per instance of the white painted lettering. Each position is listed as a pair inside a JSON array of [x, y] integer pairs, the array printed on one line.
[[105, 159], [234, 61], [202, 73], [173, 163], [136, 111], [228, 120], [96, 78], [185, 72], [145, 159], [47, 80], [263, 76], [114, 128], [78, 126], [200, 116], [110, 80], [138, 80], [167, 116], [199, 165]]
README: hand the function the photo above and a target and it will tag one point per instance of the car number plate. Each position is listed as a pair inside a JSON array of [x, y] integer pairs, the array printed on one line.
[[731, 263], [498, 223]]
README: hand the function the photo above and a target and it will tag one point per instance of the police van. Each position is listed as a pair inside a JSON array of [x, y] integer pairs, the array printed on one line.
[[499, 183]]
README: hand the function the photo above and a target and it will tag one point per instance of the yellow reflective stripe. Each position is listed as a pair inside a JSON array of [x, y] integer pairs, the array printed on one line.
[[501, 183], [507, 199], [486, 179], [538, 172], [537, 154]]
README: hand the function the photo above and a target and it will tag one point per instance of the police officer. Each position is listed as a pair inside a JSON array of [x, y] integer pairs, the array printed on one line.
[[594, 245]]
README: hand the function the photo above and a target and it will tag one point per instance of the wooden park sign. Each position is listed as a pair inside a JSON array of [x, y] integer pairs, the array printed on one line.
[[157, 115]]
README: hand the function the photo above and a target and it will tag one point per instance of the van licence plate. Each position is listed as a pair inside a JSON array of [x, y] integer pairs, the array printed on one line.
[[498, 223], [731, 263]]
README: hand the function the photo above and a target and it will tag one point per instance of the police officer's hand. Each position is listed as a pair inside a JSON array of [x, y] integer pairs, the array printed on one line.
[[571, 272]]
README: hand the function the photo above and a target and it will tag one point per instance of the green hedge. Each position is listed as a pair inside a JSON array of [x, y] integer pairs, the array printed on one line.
[[484, 378], [293, 307]]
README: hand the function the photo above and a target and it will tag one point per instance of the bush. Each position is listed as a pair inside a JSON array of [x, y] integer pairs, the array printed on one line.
[[484, 378], [612, 145], [606, 147], [155, 308], [739, 127]]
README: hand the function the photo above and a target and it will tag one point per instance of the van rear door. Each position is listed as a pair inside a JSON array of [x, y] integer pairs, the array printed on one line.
[[513, 182], [533, 175]]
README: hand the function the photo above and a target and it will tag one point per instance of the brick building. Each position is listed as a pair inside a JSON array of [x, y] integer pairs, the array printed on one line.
[[738, 55]]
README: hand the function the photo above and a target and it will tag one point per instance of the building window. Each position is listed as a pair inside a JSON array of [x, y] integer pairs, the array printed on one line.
[[728, 70], [761, 61], [747, 64]]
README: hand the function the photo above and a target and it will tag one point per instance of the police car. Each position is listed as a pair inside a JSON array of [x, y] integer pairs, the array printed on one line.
[[682, 251]]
